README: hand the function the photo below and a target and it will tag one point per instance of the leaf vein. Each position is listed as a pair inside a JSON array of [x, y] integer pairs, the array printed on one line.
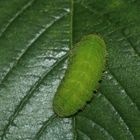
[[23, 9], [127, 39], [119, 113], [91, 10], [25, 100], [122, 86], [83, 133], [38, 35], [44, 126], [99, 126]]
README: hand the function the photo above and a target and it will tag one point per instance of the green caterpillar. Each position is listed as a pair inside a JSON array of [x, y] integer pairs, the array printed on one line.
[[86, 64]]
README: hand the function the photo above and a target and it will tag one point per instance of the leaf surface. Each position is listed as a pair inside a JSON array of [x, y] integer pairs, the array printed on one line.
[[35, 38]]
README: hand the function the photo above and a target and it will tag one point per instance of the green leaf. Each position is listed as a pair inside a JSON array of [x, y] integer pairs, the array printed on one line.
[[115, 111], [34, 42], [35, 37]]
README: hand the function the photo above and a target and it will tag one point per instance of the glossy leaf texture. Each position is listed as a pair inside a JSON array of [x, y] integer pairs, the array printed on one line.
[[35, 37], [114, 113]]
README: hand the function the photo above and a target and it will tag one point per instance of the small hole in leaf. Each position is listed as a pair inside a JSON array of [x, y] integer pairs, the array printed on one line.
[[88, 102], [95, 91]]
